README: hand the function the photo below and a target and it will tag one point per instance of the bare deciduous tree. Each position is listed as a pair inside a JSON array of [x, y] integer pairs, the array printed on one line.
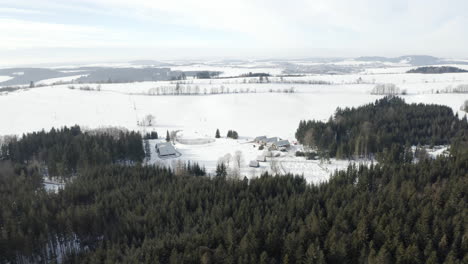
[[150, 120], [275, 169], [173, 136], [227, 159], [238, 159]]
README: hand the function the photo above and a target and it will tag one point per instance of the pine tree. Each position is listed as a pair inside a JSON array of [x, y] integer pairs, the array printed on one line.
[[168, 138], [217, 134], [235, 135], [221, 170]]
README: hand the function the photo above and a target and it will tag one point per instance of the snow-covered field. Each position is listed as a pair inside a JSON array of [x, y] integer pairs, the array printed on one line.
[[254, 113], [224, 150], [4, 78]]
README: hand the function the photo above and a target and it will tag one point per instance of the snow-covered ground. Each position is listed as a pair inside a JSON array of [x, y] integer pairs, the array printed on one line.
[[250, 114], [224, 150], [254, 113], [51, 185], [4, 78]]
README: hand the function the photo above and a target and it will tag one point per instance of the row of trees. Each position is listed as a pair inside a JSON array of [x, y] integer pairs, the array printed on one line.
[[180, 89], [370, 129], [387, 89], [461, 88], [196, 90], [86, 88]]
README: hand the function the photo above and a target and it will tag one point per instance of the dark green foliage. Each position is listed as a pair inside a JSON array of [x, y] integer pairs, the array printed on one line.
[[221, 170], [440, 69], [168, 137], [207, 74], [232, 134], [370, 129], [217, 135], [65, 150], [406, 213], [256, 74], [152, 135], [309, 155], [195, 169]]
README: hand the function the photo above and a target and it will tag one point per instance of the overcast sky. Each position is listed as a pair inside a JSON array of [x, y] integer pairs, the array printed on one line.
[[36, 31]]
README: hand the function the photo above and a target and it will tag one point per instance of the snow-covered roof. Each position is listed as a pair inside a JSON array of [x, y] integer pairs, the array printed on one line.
[[165, 149], [272, 139], [282, 143]]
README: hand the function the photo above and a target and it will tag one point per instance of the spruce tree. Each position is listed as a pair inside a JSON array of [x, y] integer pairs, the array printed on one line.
[[168, 138], [217, 134]]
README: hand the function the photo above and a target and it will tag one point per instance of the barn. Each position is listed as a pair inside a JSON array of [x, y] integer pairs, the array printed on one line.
[[165, 149]]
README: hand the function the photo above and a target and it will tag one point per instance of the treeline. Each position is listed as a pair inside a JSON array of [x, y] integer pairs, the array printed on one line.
[[461, 88], [436, 70], [387, 89], [370, 129], [390, 213], [65, 150]]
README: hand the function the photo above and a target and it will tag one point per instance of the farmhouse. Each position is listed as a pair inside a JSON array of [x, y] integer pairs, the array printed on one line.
[[165, 149], [281, 145], [260, 139], [270, 141]]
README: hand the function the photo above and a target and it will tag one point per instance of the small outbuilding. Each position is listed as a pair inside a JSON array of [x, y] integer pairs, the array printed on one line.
[[254, 164]]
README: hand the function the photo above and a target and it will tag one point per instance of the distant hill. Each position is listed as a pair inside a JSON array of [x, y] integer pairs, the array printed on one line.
[[432, 70], [27, 75], [150, 63], [416, 60], [23, 76], [120, 75]]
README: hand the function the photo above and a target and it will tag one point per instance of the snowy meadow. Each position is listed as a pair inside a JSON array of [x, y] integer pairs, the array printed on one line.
[[195, 108]]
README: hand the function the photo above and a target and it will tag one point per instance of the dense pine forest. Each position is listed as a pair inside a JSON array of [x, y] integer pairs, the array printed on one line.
[[436, 70], [114, 211], [65, 150], [377, 127]]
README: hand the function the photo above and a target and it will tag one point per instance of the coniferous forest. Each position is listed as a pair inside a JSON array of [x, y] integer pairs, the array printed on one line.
[[377, 127], [65, 150], [116, 210]]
